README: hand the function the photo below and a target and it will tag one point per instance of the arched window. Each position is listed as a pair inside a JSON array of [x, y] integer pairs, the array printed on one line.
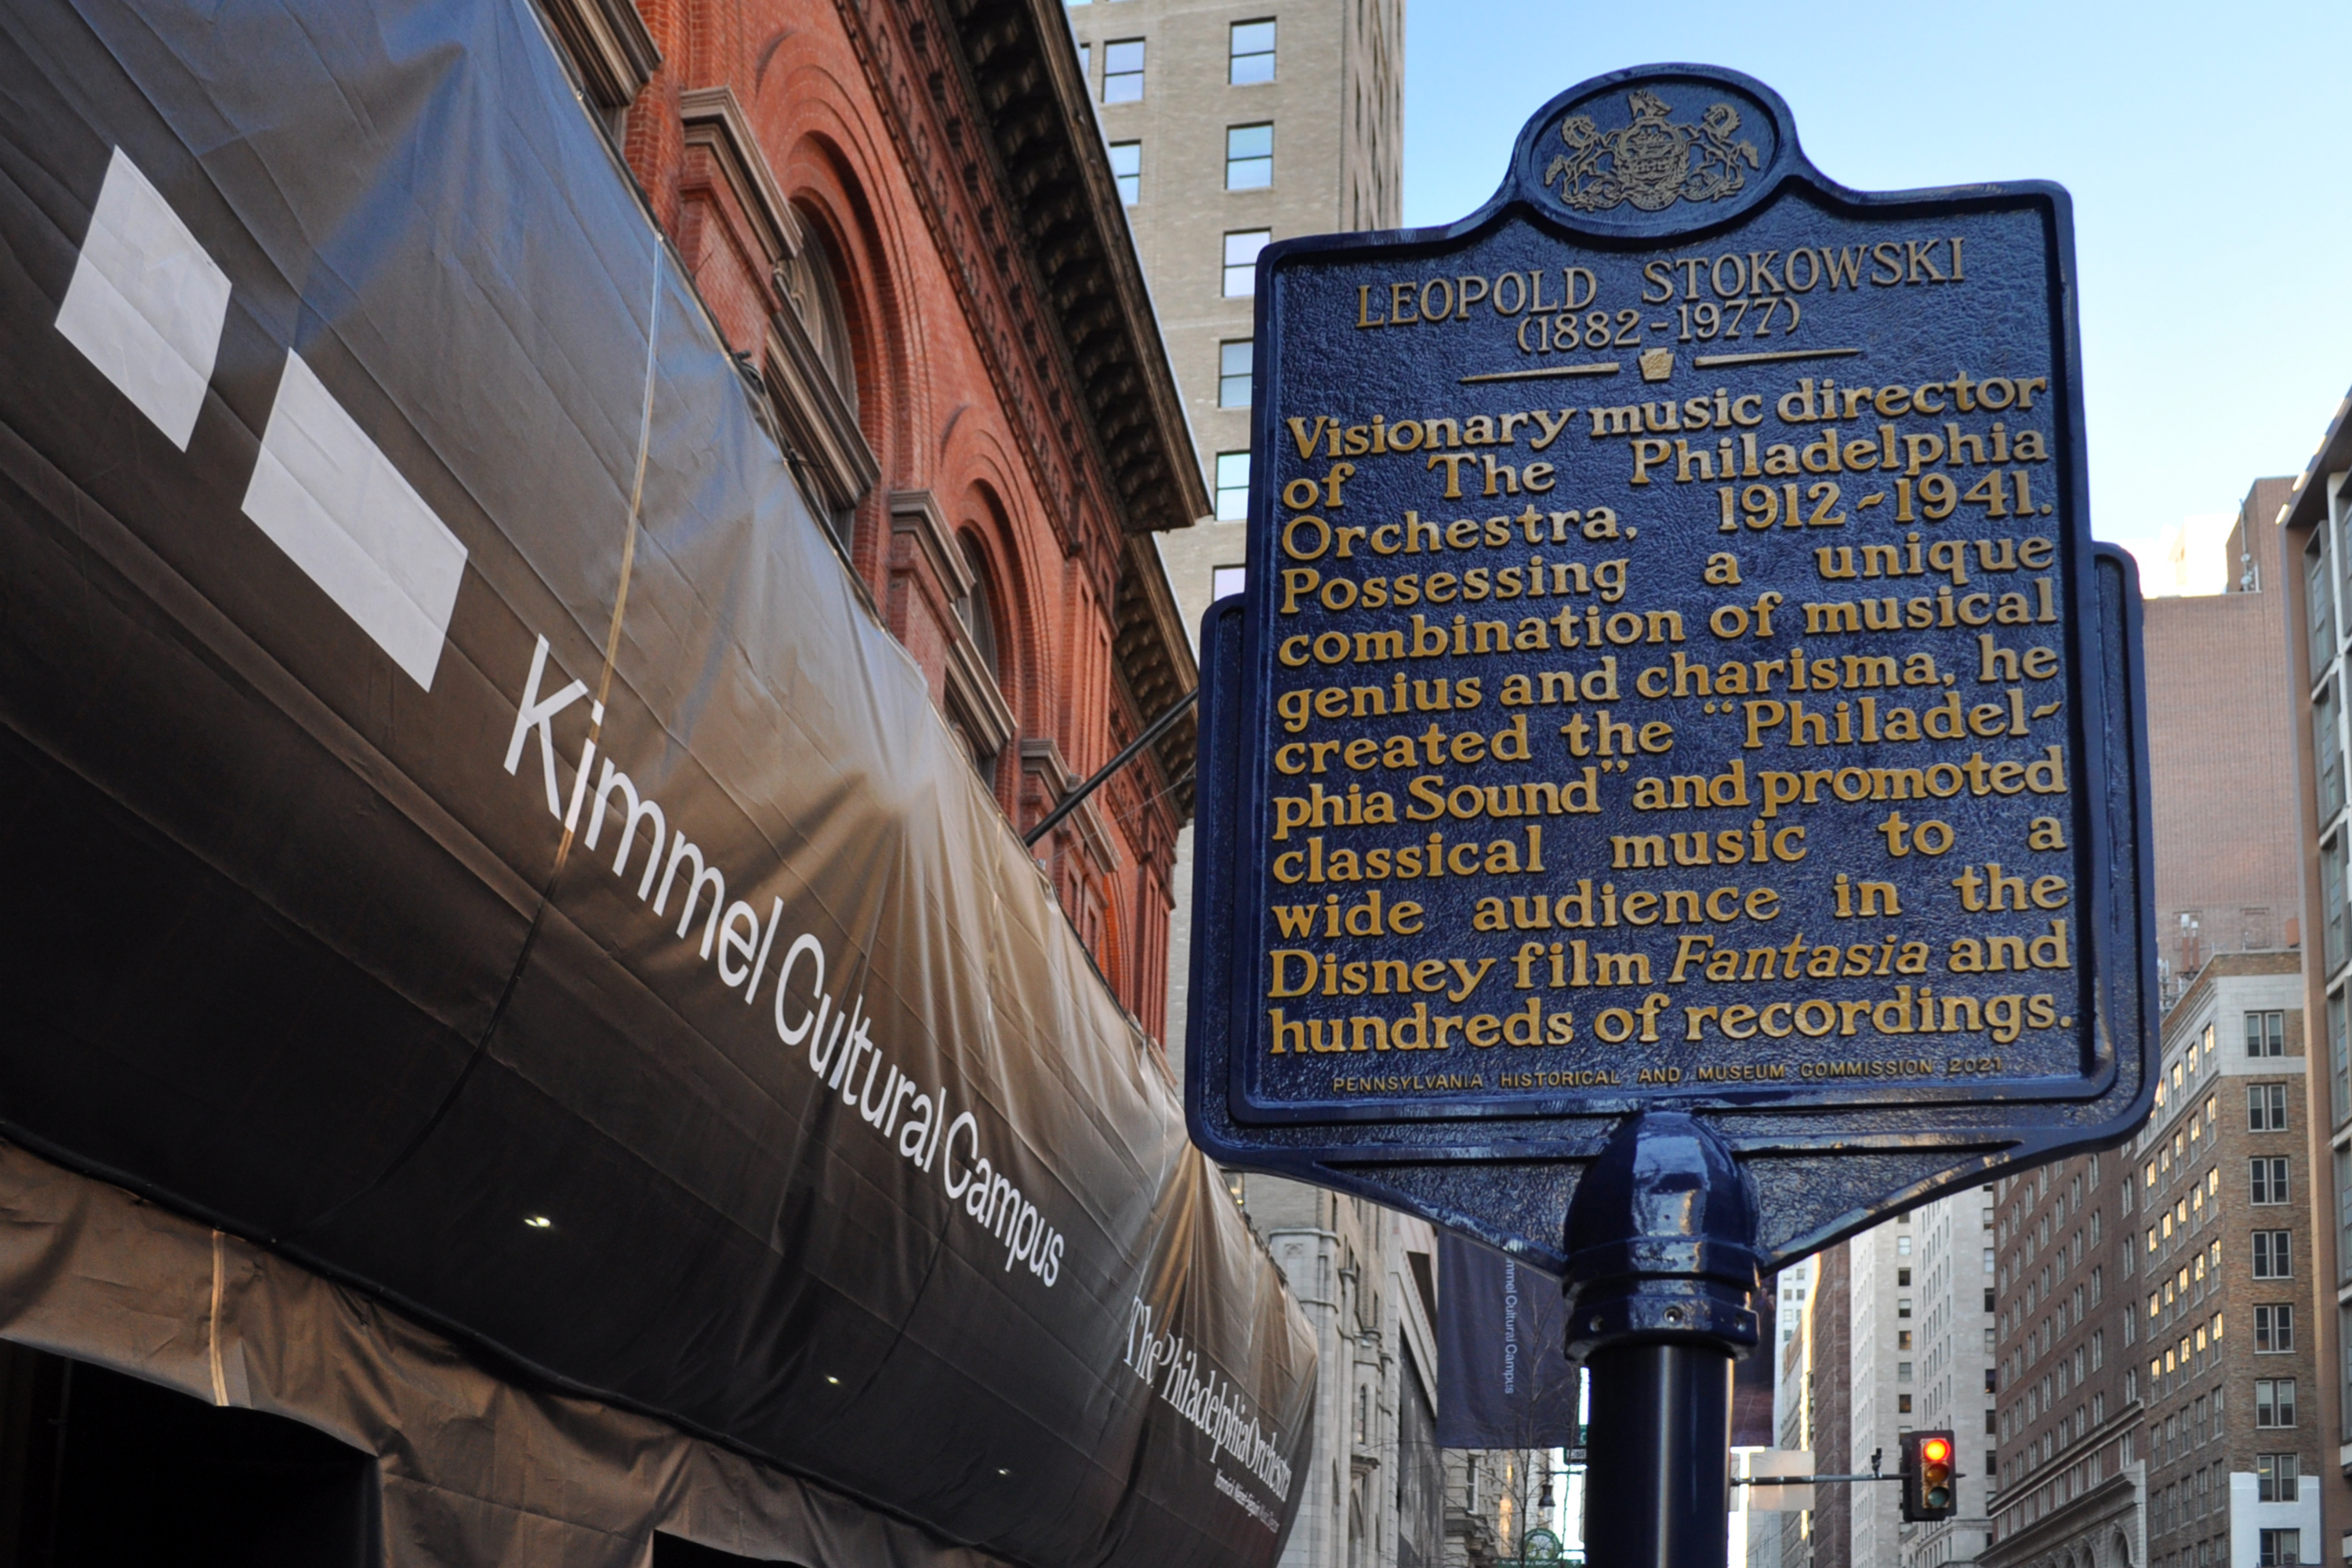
[[811, 376], [818, 297], [976, 708], [977, 609]]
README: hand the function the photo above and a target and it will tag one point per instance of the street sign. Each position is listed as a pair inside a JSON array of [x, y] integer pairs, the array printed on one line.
[[1676, 675]]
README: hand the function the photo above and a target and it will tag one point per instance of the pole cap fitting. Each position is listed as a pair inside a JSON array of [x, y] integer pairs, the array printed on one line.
[[1662, 1241]]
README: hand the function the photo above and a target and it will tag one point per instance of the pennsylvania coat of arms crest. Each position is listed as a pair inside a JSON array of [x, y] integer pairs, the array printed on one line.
[[1652, 161]]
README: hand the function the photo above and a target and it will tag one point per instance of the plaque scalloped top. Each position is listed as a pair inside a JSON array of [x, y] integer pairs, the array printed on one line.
[[1653, 160]]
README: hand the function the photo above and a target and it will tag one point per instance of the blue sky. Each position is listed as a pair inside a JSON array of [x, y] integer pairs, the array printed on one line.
[[2209, 150]]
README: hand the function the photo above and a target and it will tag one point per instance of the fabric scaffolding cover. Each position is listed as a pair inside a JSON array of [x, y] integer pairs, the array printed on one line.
[[467, 833]]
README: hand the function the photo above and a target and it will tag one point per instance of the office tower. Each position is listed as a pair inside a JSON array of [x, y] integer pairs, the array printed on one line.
[[1952, 1345], [1828, 1527], [1232, 123], [2071, 1473], [1919, 1309]]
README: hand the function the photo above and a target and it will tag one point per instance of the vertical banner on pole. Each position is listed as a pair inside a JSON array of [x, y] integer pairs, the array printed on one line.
[[1503, 1377]]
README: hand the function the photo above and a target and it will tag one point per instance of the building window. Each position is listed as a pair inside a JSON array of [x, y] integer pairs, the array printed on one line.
[[1902, 1304], [2329, 753], [1252, 54], [2331, 876], [2280, 1548], [1233, 487], [1233, 373], [2266, 1034], [1249, 157], [1123, 71], [1903, 1372], [1903, 1246], [2098, 1349], [2339, 1053], [2344, 1339], [977, 610], [2273, 1402], [2273, 1329], [1242, 246], [2265, 1102], [1903, 1340], [1987, 1259], [2273, 1260], [2319, 603], [1127, 170], [2268, 1178], [2344, 1212]]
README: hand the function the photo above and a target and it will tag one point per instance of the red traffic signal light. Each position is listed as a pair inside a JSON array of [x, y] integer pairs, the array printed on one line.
[[1928, 1477]]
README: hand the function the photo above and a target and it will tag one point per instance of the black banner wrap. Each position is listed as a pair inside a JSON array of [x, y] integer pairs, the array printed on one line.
[[464, 829]]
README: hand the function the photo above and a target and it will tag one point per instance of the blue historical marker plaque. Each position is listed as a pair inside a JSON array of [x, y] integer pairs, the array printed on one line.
[[1676, 674]]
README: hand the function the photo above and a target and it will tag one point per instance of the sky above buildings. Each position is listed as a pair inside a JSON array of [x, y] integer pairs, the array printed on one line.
[[2209, 150]]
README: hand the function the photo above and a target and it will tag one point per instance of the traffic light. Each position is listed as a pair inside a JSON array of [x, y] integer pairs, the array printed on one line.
[[1929, 1491]]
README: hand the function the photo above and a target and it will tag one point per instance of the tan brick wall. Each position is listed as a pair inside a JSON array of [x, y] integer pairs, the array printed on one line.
[[2221, 733]]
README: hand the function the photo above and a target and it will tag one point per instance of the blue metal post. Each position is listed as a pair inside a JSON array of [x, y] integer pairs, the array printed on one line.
[[1661, 1272]]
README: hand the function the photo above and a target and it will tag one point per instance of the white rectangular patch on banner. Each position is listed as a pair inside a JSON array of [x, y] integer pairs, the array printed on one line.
[[146, 304], [328, 496]]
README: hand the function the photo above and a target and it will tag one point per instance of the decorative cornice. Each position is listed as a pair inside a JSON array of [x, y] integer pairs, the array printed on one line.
[[986, 105], [1022, 66], [1156, 657], [899, 53], [609, 46], [1077, 360]]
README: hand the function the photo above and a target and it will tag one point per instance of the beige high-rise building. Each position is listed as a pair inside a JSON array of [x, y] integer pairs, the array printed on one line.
[[1232, 123]]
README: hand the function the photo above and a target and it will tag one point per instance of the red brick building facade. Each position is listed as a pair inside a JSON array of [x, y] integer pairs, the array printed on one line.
[[902, 219]]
